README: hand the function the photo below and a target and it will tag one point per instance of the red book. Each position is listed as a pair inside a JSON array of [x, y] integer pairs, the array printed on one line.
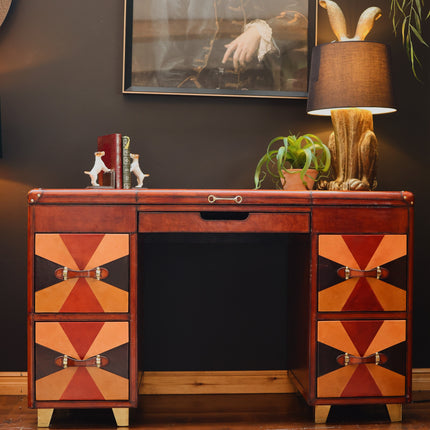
[[111, 144]]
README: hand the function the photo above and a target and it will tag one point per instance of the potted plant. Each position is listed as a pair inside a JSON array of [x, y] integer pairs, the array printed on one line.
[[295, 156]]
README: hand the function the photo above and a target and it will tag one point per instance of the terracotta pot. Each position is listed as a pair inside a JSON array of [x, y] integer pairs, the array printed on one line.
[[292, 181]]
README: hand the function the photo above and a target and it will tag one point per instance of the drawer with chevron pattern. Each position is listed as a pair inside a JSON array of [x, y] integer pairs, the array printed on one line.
[[81, 273]]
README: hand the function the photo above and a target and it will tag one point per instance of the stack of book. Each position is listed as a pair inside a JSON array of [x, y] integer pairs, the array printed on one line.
[[117, 158]]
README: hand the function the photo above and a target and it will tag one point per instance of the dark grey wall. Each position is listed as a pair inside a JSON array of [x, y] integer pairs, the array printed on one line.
[[60, 87]]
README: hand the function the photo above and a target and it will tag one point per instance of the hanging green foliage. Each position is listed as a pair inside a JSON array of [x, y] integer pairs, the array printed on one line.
[[408, 17]]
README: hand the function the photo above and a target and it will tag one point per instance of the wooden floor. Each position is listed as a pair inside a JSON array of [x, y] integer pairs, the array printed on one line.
[[220, 412]]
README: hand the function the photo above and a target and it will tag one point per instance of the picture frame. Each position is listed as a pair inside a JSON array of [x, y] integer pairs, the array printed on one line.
[[237, 48]]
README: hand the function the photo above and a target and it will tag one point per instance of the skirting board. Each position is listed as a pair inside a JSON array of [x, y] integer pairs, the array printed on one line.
[[13, 383], [234, 382]]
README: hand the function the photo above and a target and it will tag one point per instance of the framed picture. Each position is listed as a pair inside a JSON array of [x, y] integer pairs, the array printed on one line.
[[243, 48]]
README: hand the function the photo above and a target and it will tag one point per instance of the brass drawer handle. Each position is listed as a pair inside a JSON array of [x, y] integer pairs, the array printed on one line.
[[237, 199], [65, 361], [347, 359], [65, 273], [378, 273]]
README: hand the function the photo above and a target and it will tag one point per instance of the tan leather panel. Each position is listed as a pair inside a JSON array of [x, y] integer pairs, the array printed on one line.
[[111, 335], [391, 248], [332, 333], [51, 335], [334, 298], [334, 248], [52, 387], [390, 383], [390, 297], [391, 333], [111, 299], [113, 387], [52, 247], [51, 299], [112, 247], [332, 384]]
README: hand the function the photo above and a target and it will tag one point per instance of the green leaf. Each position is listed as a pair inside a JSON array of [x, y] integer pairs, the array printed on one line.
[[405, 21], [327, 156], [305, 168], [418, 35], [257, 180], [280, 158]]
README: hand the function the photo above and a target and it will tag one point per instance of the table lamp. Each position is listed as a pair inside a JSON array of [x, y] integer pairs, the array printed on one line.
[[350, 80]]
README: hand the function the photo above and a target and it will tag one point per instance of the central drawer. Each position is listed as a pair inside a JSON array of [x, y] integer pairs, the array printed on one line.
[[223, 222]]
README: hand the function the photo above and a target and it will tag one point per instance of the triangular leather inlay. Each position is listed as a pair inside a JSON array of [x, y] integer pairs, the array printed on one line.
[[82, 387], [82, 246], [81, 299], [362, 298], [82, 334], [361, 384], [362, 333], [363, 247]]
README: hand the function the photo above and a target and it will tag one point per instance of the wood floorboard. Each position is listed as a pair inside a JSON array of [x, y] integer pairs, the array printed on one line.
[[220, 412]]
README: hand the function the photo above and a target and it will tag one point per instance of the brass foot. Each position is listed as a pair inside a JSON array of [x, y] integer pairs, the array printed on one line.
[[394, 411], [321, 413], [44, 417], [121, 416]]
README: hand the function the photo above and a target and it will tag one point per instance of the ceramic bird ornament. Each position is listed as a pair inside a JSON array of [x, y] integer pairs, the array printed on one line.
[[338, 23]]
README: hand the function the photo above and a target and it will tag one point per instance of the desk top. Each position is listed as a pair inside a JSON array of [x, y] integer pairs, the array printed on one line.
[[216, 197]]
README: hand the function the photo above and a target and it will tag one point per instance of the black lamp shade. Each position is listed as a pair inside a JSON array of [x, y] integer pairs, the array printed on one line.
[[353, 74]]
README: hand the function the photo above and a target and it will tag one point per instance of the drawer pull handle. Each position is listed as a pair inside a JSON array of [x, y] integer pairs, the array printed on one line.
[[65, 273], [378, 273], [237, 199], [65, 361], [347, 359]]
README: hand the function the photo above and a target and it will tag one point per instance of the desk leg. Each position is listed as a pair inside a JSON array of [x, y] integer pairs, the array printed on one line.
[[121, 416], [394, 411], [44, 417], [321, 413]]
